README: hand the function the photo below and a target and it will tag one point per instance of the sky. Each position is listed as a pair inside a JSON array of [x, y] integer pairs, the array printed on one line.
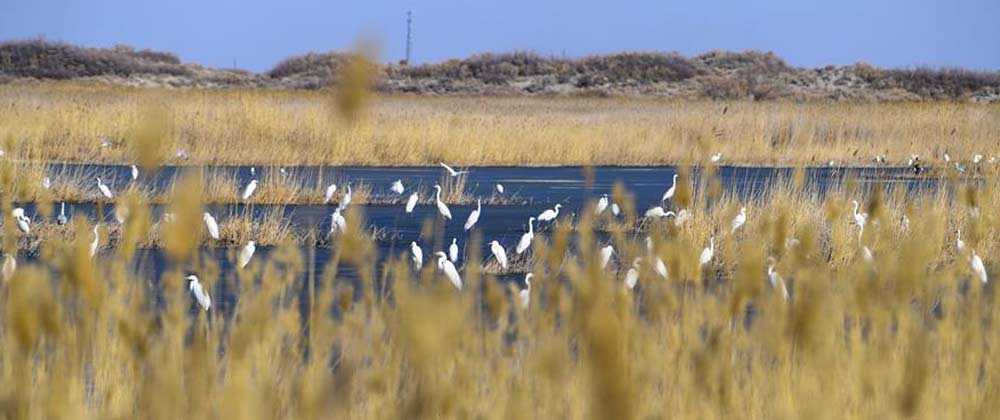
[[256, 34]]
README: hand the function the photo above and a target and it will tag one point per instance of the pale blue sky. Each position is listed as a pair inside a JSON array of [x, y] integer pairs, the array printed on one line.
[[256, 34]]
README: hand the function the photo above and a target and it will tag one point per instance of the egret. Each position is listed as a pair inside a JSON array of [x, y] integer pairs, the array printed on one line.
[[977, 158], [246, 254], [135, 173], [947, 158], [22, 221], [859, 218], [337, 222], [449, 270], [550, 214], [417, 255], [397, 187], [682, 216], [500, 188], [442, 207], [253, 171], [106, 142], [707, 253], [9, 266], [959, 243], [453, 172], [670, 192], [740, 219], [474, 216], [283, 171], [525, 241], [213, 227], [525, 294], [94, 244], [655, 212], [632, 276], [411, 203], [182, 154], [775, 279], [978, 267], [199, 293], [606, 254], [499, 253], [121, 213], [249, 190], [615, 210], [602, 204], [105, 191], [717, 157], [46, 183], [453, 250], [346, 201], [61, 219], [330, 190], [658, 266]]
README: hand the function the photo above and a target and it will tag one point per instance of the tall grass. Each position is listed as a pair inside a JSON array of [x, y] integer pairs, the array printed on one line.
[[63, 122]]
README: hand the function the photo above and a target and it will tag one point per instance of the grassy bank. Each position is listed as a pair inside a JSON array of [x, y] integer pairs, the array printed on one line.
[[66, 122]]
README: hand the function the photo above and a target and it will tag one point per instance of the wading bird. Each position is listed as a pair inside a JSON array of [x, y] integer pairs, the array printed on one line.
[[330, 191], [61, 219], [655, 212], [105, 191], [526, 239], [449, 270], [500, 188], [606, 254], [775, 279], [135, 172], [246, 254], [707, 252], [959, 243], [717, 157], [337, 222], [451, 171], [442, 207], [346, 201], [453, 250], [525, 294], [615, 210], [859, 218], [417, 255], [249, 190], [96, 243], [46, 183], [499, 253], [978, 267], [199, 293], [658, 265], [22, 221], [411, 203], [632, 276], [602, 204], [213, 227], [397, 187], [670, 192], [474, 216], [740, 219], [550, 214]]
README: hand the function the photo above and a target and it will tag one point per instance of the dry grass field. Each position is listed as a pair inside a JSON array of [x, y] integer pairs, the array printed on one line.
[[67, 122]]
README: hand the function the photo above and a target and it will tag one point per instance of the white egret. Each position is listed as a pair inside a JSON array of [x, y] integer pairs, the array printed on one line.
[[246, 254], [105, 191], [121, 213], [550, 214], [106, 142], [61, 219], [442, 207], [632, 276], [182, 154], [500, 188], [658, 264], [453, 250], [9, 266], [740, 219], [283, 171], [96, 242], [449, 270], [417, 255], [526, 239], [22, 221], [602, 204], [707, 253], [46, 183], [525, 294], [655, 212], [670, 192], [199, 293], [499, 253], [681, 217], [249, 190], [213, 227], [977, 158], [411, 203], [474, 216], [337, 222], [775, 279], [859, 218], [615, 210], [717, 157], [451, 171], [978, 267], [959, 243], [397, 187], [346, 201], [253, 171], [330, 190], [135, 172], [947, 158], [606, 254]]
